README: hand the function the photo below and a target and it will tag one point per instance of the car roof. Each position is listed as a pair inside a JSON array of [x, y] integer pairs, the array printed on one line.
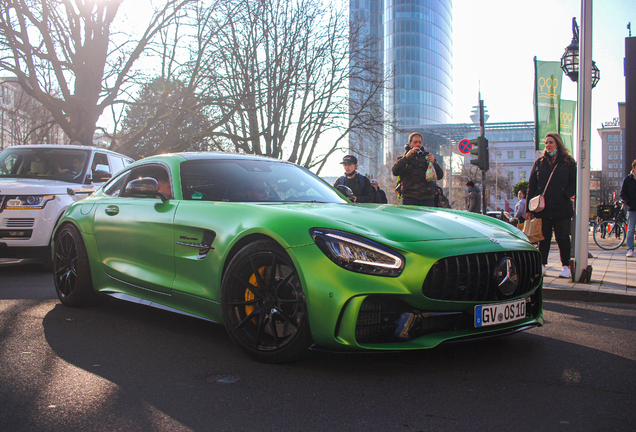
[[227, 156], [66, 147]]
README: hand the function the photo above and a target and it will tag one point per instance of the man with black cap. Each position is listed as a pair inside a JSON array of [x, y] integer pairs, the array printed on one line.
[[363, 192]]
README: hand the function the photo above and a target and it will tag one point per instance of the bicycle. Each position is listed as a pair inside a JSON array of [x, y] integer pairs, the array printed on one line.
[[611, 234]]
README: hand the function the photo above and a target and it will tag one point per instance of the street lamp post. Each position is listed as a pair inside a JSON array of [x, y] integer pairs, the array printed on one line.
[[574, 61]]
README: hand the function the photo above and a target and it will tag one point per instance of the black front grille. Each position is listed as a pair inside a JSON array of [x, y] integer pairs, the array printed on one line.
[[472, 277], [387, 319]]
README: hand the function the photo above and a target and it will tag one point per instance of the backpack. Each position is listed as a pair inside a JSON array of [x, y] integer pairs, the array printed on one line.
[[341, 180], [442, 200]]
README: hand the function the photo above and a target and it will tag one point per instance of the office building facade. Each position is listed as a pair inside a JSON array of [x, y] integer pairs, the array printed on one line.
[[612, 154], [415, 48]]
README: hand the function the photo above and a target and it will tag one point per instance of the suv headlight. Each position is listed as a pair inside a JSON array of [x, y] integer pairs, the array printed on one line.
[[357, 253], [28, 202]]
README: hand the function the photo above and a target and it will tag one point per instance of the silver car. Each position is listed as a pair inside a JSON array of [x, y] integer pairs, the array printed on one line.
[[38, 183]]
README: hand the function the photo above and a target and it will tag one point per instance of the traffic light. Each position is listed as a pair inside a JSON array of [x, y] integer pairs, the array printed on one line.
[[480, 148]]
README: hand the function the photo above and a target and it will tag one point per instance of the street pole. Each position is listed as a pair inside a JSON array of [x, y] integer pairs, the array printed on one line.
[[581, 271], [482, 130]]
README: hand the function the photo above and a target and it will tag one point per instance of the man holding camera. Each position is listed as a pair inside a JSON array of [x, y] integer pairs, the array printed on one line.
[[417, 187]]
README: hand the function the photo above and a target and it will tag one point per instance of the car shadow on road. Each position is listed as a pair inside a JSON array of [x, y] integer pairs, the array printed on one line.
[[190, 371]]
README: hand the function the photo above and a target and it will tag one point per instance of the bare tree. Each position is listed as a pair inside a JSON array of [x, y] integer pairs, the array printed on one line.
[[286, 64], [181, 107], [64, 55]]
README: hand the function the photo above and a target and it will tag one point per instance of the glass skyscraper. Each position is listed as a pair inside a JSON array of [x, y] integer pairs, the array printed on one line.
[[415, 48]]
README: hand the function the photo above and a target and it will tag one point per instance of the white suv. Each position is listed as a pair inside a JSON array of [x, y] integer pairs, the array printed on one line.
[[38, 183]]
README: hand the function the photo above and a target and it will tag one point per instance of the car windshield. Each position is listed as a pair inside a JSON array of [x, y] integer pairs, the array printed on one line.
[[253, 181], [44, 163]]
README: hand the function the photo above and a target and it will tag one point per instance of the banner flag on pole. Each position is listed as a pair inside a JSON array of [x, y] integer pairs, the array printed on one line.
[[566, 123], [547, 98]]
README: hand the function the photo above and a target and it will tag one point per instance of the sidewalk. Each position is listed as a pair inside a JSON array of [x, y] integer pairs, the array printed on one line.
[[613, 278]]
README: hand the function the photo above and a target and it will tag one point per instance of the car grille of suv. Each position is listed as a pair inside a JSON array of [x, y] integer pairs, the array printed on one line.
[[19, 223], [472, 277]]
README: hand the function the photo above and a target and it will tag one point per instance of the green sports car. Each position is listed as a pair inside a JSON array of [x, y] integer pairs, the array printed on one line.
[[287, 263]]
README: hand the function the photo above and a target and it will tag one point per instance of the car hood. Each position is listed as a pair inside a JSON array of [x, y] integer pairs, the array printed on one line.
[[407, 223], [36, 187]]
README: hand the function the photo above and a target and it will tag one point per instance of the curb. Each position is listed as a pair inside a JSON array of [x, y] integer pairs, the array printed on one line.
[[586, 296]]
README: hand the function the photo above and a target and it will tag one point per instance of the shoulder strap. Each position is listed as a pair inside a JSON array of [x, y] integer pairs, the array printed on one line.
[[548, 183], [361, 178]]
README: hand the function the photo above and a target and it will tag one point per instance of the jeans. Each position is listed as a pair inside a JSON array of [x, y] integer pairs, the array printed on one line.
[[562, 236], [424, 202], [631, 222]]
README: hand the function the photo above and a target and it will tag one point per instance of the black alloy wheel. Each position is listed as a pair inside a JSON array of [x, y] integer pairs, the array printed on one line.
[[263, 302], [71, 270]]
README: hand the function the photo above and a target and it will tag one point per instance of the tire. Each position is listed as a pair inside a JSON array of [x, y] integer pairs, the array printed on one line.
[[264, 307], [71, 270], [609, 235]]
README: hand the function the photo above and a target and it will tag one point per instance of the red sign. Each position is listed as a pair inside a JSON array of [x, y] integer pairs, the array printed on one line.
[[465, 146]]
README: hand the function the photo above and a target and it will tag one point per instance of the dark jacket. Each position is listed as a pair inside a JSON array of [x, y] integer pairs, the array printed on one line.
[[412, 171], [474, 200], [362, 189], [380, 196], [628, 191], [562, 187]]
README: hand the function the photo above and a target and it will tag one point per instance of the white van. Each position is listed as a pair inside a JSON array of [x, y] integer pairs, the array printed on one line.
[[38, 183]]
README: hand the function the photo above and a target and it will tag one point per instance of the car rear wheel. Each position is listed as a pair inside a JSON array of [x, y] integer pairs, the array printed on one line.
[[264, 308], [71, 270]]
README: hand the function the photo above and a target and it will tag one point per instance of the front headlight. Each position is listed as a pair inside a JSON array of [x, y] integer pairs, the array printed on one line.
[[358, 254], [28, 202]]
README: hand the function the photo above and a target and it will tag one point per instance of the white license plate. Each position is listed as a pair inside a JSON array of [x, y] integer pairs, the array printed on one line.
[[500, 313]]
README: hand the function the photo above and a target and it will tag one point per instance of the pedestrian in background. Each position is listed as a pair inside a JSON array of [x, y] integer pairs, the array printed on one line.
[[360, 185], [417, 171], [474, 197], [379, 195], [520, 207], [440, 199], [557, 214], [628, 195]]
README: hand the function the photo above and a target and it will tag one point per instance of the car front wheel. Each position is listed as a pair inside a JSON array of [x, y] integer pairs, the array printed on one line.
[[263, 302], [71, 270]]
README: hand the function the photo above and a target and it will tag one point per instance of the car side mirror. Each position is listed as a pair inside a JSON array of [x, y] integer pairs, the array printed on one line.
[[345, 190], [101, 173], [145, 187]]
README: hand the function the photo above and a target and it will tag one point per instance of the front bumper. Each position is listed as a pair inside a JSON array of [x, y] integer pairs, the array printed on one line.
[[25, 229], [352, 311]]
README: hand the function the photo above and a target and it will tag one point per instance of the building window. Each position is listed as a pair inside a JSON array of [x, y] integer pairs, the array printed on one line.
[[610, 138], [617, 138], [522, 175], [498, 155], [522, 154], [511, 175], [511, 155]]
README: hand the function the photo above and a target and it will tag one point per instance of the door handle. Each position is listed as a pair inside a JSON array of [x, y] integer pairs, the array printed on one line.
[[112, 210]]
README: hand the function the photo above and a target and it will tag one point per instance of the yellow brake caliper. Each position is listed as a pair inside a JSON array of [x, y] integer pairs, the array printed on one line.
[[249, 295]]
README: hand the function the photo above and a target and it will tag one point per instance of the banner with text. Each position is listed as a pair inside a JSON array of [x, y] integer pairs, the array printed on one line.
[[566, 123], [547, 98]]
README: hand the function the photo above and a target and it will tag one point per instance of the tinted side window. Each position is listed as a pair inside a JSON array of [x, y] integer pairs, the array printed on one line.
[[115, 187], [116, 163], [100, 159], [158, 172]]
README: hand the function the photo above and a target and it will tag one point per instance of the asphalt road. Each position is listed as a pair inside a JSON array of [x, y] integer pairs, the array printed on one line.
[[126, 367]]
